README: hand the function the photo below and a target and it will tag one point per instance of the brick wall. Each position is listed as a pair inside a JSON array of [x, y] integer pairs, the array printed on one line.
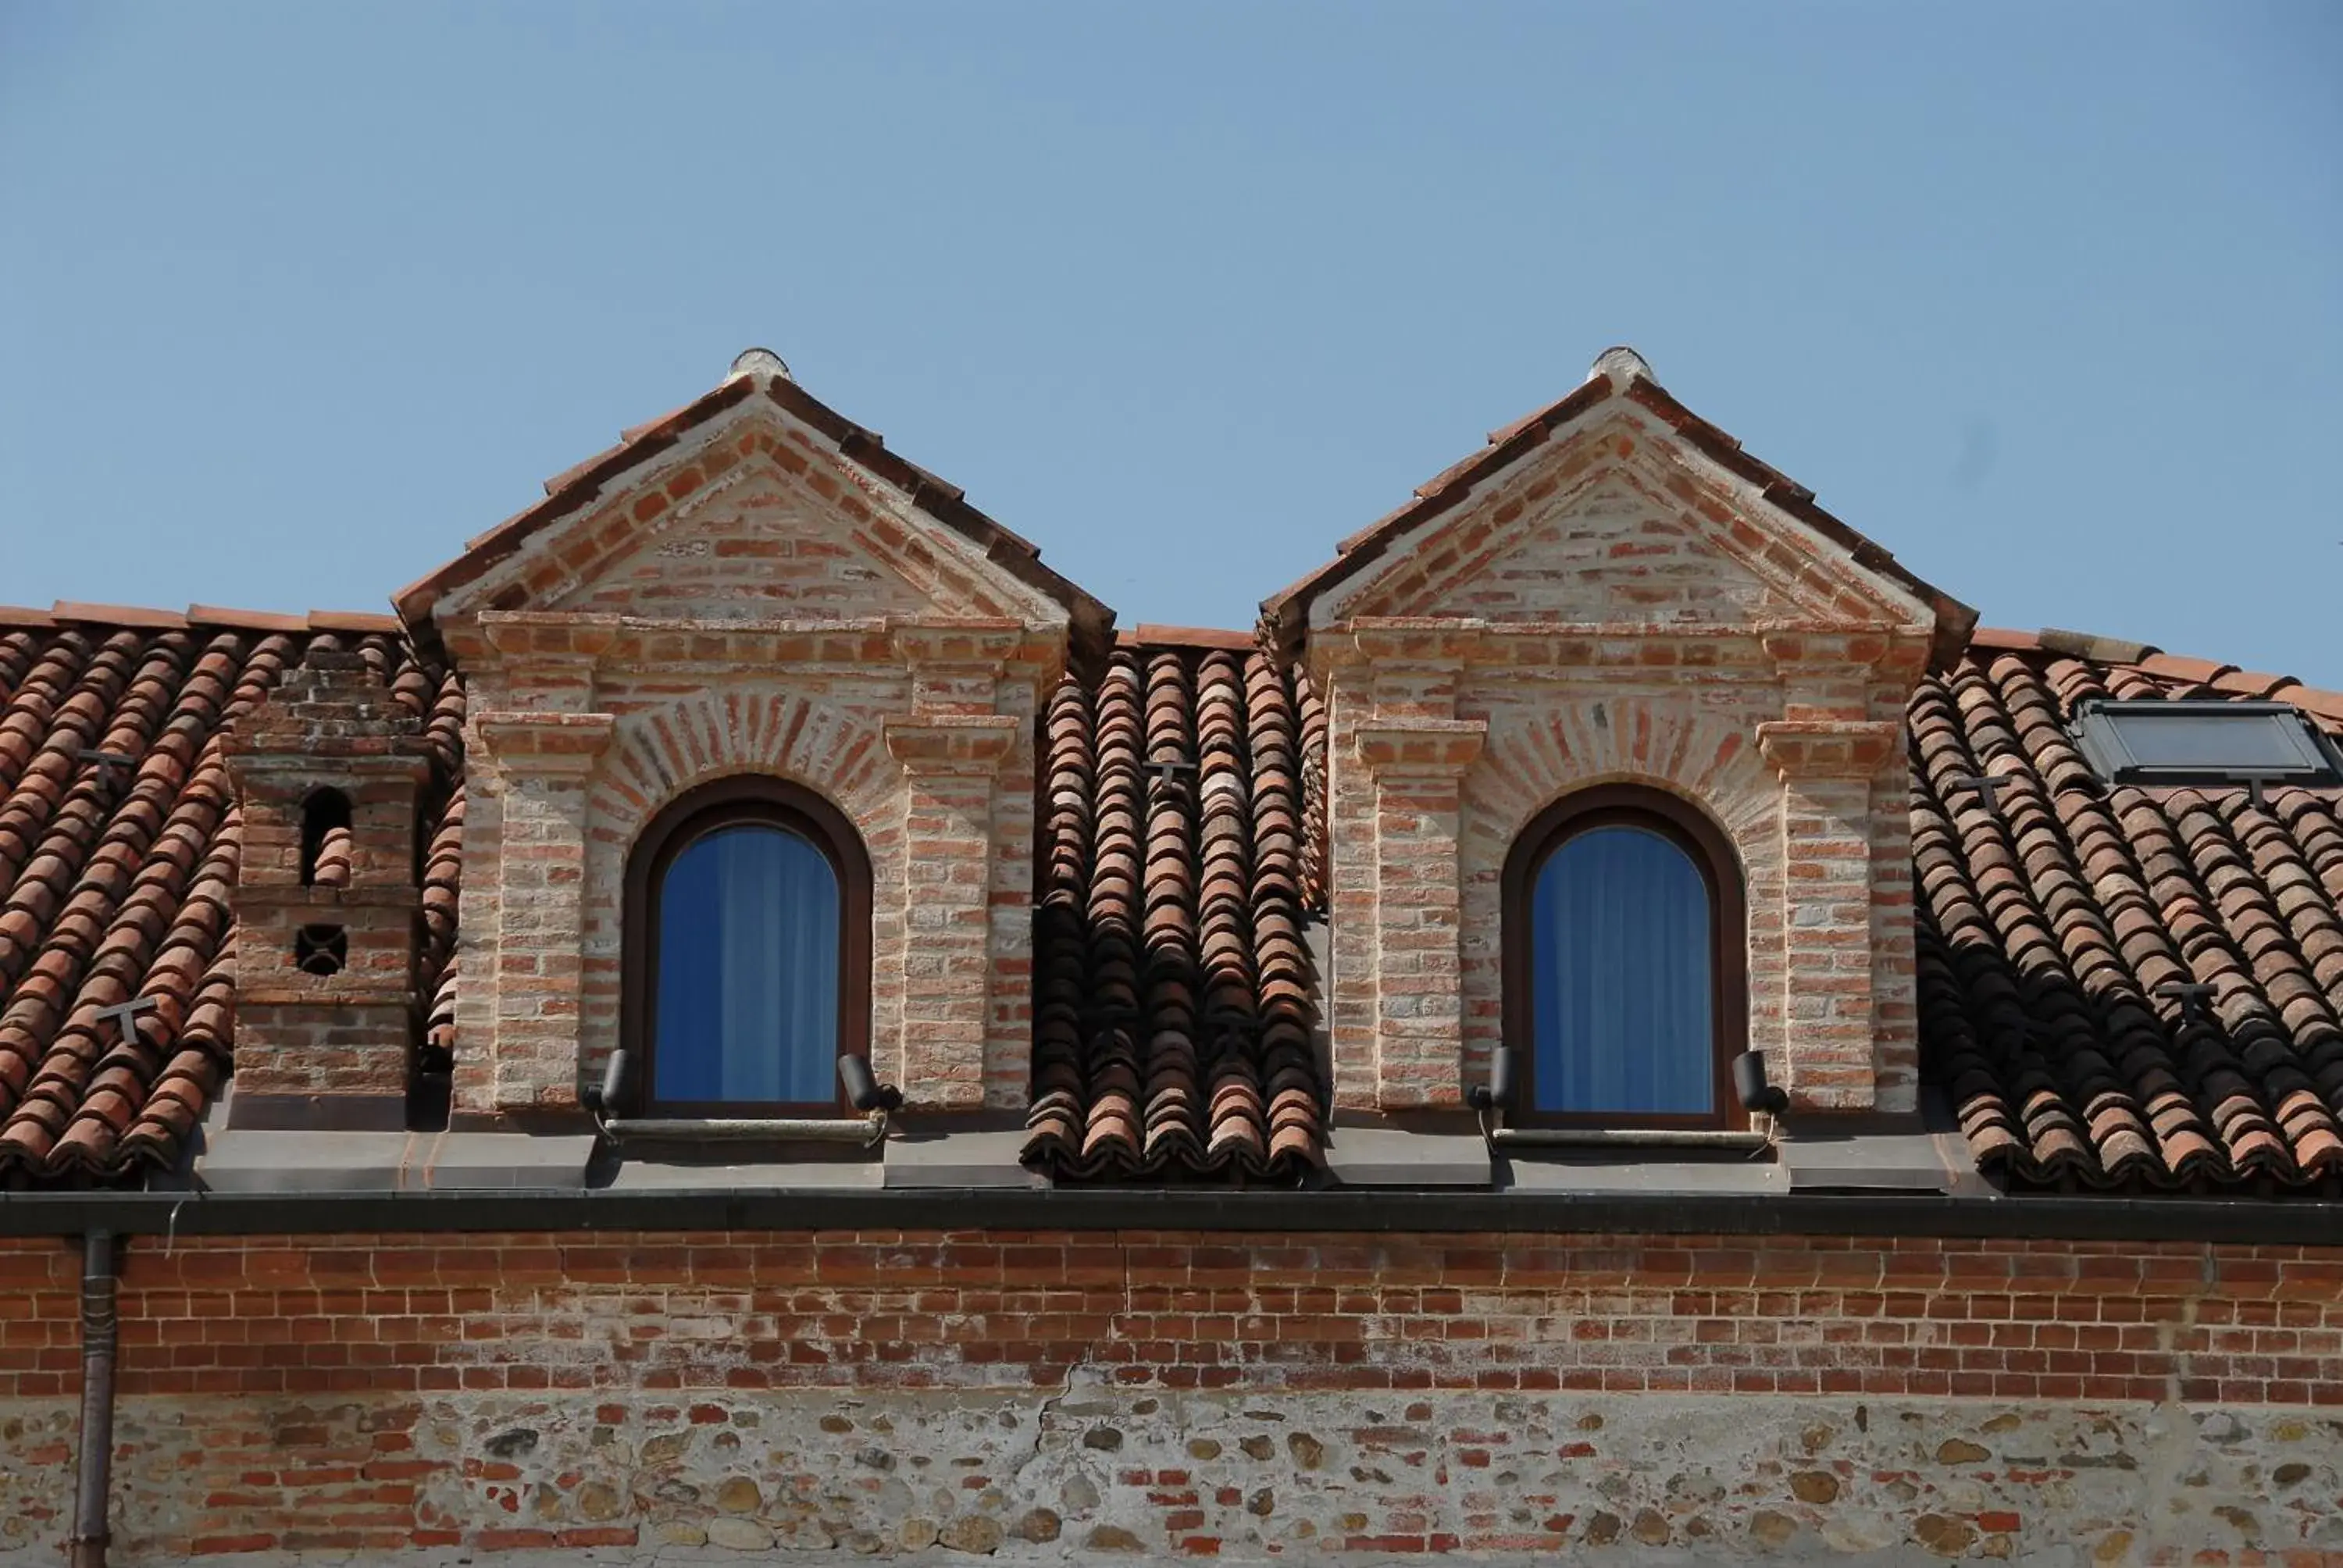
[[1603, 614], [752, 603], [1050, 1392]]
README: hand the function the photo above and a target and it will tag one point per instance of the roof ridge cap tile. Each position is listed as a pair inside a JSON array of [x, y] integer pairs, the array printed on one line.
[[2092, 648], [1151, 635], [199, 616], [137, 616]]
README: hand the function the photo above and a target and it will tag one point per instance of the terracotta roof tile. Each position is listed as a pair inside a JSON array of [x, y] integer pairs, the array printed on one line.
[[1182, 857], [2056, 935], [115, 876], [1175, 998]]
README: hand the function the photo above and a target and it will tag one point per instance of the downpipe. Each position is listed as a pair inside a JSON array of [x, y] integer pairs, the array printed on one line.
[[100, 1324]]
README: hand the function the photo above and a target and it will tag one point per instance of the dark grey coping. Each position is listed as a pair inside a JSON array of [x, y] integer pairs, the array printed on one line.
[[1390, 1157], [2303, 1221]]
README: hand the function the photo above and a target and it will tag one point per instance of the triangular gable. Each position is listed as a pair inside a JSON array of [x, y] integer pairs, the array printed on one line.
[[764, 472], [1617, 465], [1581, 534]]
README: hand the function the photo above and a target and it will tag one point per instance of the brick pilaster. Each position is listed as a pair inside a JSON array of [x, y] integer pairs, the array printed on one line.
[[544, 760], [1827, 767], [1418, 767], [951, 763]]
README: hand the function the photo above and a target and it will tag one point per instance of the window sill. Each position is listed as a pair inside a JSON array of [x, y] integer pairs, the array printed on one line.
[[957, 1161], [1626, 1137], [866, 1130]]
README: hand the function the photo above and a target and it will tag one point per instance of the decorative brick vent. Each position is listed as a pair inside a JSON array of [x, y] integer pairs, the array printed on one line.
[[321, 951], [329, 774]]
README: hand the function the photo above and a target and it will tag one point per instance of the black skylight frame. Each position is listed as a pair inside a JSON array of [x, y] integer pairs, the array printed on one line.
[[2276, 743]]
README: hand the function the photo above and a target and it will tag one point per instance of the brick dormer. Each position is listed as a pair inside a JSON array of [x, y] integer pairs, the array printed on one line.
[[751, 588], [329, 773], [1613, 595]]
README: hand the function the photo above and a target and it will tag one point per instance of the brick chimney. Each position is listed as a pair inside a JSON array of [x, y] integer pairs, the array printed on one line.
[[329, 772]]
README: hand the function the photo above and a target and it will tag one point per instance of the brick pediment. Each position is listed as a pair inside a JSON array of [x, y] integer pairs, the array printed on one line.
[[1618, 508], [758, 540], [1617, 524], [759, 520], [755, 503], [1609, 543]]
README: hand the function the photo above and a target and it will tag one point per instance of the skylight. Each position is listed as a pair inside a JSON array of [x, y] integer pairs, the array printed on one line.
[[2199, 742]]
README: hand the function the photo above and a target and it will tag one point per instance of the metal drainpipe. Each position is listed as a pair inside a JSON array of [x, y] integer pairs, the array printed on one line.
[[86, 1548]]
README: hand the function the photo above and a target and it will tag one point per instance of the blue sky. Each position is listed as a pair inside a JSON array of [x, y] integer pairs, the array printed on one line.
[[2047, 300]]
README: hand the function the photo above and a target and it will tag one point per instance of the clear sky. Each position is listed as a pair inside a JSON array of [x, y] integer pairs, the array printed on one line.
[[2048, 299]]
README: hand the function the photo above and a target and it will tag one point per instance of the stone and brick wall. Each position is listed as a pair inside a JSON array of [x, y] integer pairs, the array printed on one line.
[[1046, 1395]]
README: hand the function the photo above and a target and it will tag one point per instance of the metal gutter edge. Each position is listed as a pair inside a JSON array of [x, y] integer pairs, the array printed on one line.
[[1386, 1210]]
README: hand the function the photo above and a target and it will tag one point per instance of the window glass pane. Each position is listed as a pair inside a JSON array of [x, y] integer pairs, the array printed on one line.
[[747, 969], [1619, 932], [2212, 740]]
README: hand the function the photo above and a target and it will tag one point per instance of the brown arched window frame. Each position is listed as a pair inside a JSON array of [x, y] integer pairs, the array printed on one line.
[[725, 803], [1628, 805]]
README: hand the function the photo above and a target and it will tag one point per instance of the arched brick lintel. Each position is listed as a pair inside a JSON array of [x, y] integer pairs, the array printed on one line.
[[662, 752], [1548, 750]]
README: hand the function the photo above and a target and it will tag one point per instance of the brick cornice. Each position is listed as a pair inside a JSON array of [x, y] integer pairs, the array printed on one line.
[[336, 992], [1420, 747], [538, 635], [250, 766], [1899, 654], [540, 744], [973, 744], [987, 642], [1828, 748], [1664, 650]]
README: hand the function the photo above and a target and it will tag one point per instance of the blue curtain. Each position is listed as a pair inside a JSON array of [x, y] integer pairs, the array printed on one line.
[[747, 971], [1619, 928]]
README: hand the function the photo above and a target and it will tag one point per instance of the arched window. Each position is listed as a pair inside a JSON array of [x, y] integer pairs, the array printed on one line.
[[1624, 964], [747, 951]]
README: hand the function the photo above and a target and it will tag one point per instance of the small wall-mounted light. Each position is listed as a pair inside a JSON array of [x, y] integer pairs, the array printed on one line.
[[610, 1096], [1750, 1087], [1498, 1091], [864, 1091]]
